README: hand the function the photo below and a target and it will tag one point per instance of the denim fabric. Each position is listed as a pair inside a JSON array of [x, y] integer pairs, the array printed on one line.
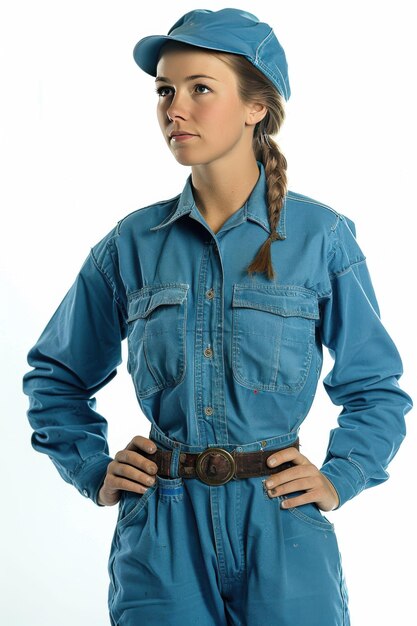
[[221, 358], [186, 553]]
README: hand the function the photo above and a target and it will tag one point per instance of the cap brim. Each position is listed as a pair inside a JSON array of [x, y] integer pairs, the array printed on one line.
[[146, 51]]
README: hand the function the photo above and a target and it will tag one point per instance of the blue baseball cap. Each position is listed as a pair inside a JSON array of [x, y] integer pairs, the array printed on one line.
[[227, 30]]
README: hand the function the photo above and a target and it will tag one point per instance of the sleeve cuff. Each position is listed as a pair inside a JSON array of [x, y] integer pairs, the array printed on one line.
[[89, 476], [346, 477]]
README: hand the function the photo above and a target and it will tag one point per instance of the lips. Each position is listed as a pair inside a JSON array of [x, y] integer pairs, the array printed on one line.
[[180, 133]]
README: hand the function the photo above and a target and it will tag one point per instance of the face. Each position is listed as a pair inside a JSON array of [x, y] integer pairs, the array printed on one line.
[[208, 108]]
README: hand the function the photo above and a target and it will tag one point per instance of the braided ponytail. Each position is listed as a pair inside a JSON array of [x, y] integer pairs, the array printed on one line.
[[275, 164]]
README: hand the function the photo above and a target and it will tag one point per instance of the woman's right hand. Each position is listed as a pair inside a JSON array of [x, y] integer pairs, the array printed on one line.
[[129, 471]]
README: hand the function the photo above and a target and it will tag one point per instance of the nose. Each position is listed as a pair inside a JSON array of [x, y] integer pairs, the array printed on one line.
[[176, 109]]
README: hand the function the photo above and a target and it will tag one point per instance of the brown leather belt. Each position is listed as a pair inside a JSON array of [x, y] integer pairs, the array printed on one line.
[[216, 466]]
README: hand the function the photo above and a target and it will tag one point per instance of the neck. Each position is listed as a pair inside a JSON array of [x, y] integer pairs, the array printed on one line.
[[221, 188]]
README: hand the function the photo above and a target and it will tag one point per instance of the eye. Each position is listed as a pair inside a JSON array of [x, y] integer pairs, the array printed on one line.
[[159, 90], [204, 87]]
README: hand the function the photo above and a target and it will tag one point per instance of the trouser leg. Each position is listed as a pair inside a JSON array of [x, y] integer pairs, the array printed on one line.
[[292, 571], [162, 565]]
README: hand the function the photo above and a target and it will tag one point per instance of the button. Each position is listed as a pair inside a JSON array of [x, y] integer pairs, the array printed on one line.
[[208, 410], [210, 293], [208, 352], [263, 443], [85, 493]]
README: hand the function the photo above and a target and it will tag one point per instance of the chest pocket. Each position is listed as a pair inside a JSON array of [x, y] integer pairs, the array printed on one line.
[[157, 316], [273, 336]]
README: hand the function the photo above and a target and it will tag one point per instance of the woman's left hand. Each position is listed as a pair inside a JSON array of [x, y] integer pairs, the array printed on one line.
[[304, 476]]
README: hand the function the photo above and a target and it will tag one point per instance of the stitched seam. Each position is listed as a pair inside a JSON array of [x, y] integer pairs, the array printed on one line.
[[288, 290], [258, 220], [167, 220], [267, 68], [320, 525], [346, 269], [150, 309], [359, 470], [332, 277], [273, 309], [135, 295], [109, 281], [119, 301], [102, 270], [325, 294], [336, 223], [307, 200], [261, 44]]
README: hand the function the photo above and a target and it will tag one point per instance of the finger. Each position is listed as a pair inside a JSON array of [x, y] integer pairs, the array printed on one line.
[[289, 454], [295, 485], [127, 471], [297, 471], [142, 443], [306, 498], [136, 460], [116, 483]]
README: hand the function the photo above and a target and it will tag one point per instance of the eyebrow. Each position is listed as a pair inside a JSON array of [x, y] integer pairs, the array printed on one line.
[[164, 79]]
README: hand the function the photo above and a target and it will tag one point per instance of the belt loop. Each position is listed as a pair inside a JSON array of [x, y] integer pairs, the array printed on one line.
[[175, 455]]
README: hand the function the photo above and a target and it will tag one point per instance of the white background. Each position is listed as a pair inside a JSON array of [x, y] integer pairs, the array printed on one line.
[[79, 143]]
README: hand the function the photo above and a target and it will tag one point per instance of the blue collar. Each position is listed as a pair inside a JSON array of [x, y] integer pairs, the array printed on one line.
[[254, 209]]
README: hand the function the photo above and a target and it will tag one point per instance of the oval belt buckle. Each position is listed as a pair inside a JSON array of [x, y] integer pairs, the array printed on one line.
[[215, 466]]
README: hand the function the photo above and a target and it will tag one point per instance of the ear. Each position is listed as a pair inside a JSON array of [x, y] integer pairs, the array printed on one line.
[[255, 113]]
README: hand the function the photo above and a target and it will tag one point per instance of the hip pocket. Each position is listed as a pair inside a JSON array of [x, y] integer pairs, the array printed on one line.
[[156, 337], [132, 506], [309, 513], [273, 336]]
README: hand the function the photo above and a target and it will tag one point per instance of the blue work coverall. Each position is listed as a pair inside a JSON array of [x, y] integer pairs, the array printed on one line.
[[221, 358]]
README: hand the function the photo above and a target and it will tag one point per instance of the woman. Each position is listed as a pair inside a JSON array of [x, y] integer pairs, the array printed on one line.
[[226, 294]]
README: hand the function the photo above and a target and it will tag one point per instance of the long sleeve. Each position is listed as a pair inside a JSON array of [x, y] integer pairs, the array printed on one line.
[[364, 377], [76, 355]]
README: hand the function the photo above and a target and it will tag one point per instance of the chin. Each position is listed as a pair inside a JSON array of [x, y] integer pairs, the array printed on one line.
[[185, 159], [189, 159], [180, 158]]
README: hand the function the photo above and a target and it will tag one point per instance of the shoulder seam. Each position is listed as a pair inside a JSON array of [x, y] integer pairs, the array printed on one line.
[[302, 198], [308, 200], [334, 275], [102, 270], [108, 280]]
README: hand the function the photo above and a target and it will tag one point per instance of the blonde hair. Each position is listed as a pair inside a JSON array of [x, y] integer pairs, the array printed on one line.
[[253, 85]]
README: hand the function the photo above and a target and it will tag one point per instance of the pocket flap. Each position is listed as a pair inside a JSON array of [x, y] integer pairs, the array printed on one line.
[[144, 301], [284, 300]]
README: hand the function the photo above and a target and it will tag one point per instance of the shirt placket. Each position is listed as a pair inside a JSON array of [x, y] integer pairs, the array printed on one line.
[[209, 354]]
